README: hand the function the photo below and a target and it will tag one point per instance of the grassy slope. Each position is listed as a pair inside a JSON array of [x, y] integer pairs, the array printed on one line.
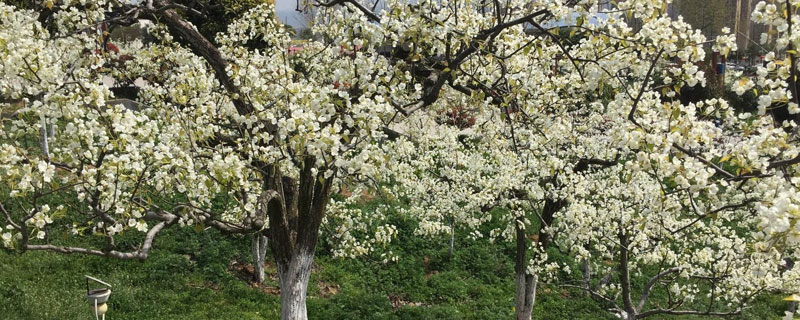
[[189, 276]]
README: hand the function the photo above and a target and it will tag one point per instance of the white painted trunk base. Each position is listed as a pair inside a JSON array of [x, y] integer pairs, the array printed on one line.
[[525, 295], [294, 286], [259, 246]]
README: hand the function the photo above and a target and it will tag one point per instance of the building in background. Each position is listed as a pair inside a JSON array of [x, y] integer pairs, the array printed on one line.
[[710, 16]]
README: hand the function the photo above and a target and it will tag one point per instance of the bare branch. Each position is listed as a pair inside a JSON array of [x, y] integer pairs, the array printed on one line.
[[784, 163], [371, 15], [687, 312], [651, 283], [593, 293], [8, 217], [171, 6], [141, 253]]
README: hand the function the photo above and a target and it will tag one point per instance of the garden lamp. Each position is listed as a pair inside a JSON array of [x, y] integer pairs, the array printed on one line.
[[98, 297], [793, 299]]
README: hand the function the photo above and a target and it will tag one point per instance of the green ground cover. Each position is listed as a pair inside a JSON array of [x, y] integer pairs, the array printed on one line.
[[203, 275]]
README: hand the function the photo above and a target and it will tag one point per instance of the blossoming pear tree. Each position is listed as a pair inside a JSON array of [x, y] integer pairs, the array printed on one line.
[[247, 138], [700, 194], [240, 136], [773, 128], [242, 140], [611, 104]]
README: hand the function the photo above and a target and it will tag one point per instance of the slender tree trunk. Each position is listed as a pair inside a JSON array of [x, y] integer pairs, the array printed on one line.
[[294, 277], [259, 246], [43, 139], [452, 240], [792, 305], [525, 283], [587, 275], [625, 278]]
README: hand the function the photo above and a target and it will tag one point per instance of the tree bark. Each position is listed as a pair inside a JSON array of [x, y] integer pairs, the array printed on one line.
[[587, 275], [293, 278], [452, 239], [295, 209], [259, 246], [525, 283], [625, 278], [43, 139]]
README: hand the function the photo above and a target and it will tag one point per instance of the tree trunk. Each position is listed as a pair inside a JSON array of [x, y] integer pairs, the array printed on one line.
[[587, 275], [452, 240], [525, 283], [792, 305], [43, 139], [259, 246], [294, 277], [295, 209], [625, 278]]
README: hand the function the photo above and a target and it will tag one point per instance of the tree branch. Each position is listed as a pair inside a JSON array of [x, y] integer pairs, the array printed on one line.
[[371, 15], [8, 217], [593, 293], [687, 312], [703, 160], [433, 91], [643, 87], [784, 163], [204, 48], [651, 283], [141, 253]]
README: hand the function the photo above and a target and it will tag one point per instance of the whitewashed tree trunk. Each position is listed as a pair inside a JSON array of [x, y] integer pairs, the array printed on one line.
[[294, 284], [43, 139], [625, 278], [295, 214], [792, 305], [525, 283], [525, 296], [587, 275], [259, 246]]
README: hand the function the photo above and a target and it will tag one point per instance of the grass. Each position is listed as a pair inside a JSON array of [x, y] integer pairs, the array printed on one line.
[[192, 275]]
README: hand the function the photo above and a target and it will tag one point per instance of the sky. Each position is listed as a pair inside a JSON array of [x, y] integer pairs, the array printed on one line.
[[285, 9], [287, 14]]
